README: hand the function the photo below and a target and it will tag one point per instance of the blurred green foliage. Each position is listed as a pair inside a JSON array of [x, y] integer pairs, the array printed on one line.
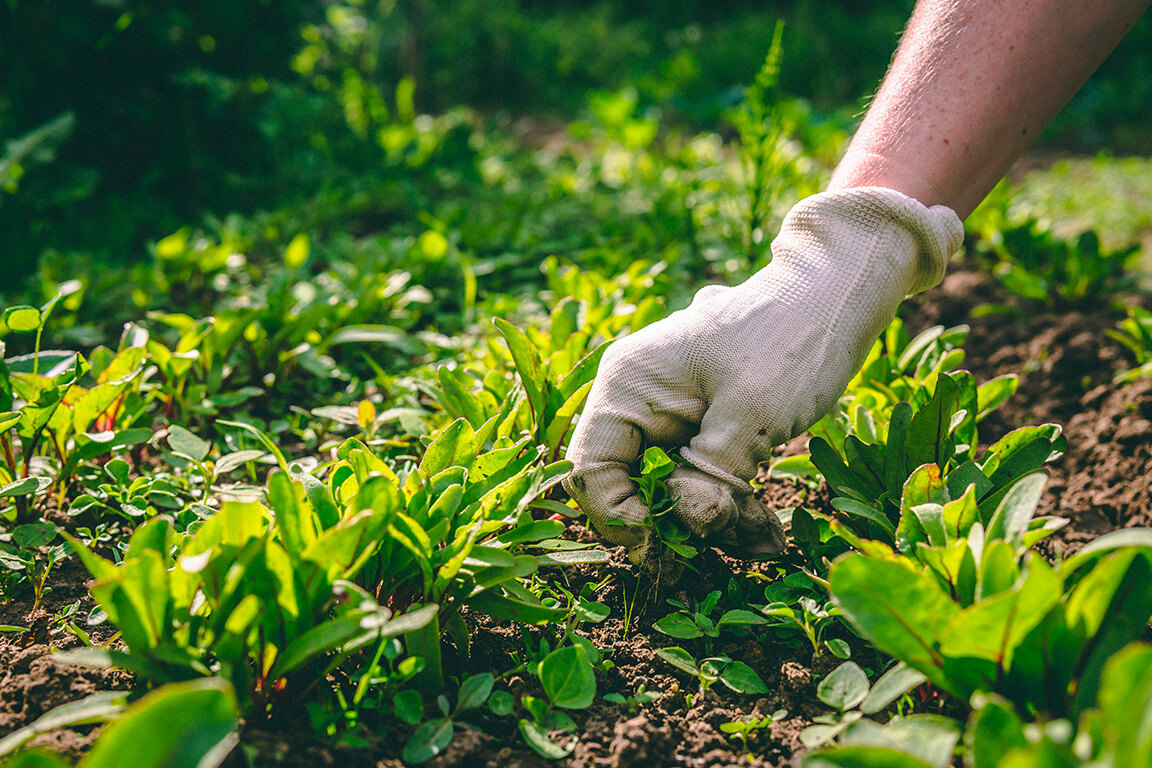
[[123, 120]]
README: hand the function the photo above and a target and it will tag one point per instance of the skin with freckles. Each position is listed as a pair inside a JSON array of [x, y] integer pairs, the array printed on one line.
[[971, 86]]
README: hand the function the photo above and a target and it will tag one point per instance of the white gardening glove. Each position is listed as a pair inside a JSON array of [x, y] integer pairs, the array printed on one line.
[[746, 368]]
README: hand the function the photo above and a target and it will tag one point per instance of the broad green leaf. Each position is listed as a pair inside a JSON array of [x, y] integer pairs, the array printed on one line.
[[90, 446], [455, 446], [488, 464], [656, 463], [575, 557], [892, 685], [1126, 537], [916, 346], [344, 548], [967, 474], [1108, 608], [895, 462], [49, 363], [1007, 451], [534, 531], [867, 463], [742, 678], [999, 569], [864, 511], [923, 486], [429, 740], [8, 419], [96, 707], [22, 318], [992, 394], [481, 555], [993, 628], [373, 334], [1126, 705], [582, 372], [678, 625], [894, 606], [154, 535], [192, 724], [955, 565], [844, 687], [537, 737], [25, 487], [408, 706], [931, 520], [959, 515], [509, 607], [793, 466], [231, 461], [474, 691], [98, 658], [930, 738], [295, 519], [1012, 516], [501, 703], [927, 440], [567, 677], [740, 617], [835, 471], [325, 637], [856, 756], [37, 759], [528, 366], [263, 438], [183, 441], [93, 403], [457, 398], [679, 658], [561, 421], [993, 731]]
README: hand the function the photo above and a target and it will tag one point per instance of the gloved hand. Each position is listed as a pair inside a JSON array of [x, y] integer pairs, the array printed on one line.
[[746, 368]]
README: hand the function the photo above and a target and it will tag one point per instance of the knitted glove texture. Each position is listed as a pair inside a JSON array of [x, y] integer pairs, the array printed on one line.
[[746, 368]]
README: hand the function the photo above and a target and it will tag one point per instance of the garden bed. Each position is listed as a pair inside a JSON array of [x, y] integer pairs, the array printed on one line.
[[1103, 482]]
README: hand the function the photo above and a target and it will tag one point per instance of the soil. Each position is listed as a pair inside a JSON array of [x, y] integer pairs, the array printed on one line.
[[1067, 365]]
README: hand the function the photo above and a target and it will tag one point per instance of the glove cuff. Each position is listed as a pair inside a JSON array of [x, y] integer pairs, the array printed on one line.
[[937, 231]]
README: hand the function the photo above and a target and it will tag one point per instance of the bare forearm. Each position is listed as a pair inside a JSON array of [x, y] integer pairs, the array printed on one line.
[[972, 84]]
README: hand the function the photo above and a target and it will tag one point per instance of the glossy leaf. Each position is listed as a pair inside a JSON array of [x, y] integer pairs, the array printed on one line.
[[900, 610], [844, 687], [181, 725], [567, 677]]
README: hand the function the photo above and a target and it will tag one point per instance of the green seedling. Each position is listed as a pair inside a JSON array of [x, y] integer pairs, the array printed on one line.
[[635, 701], [57, 419], [735, 675], [745, 730], [569, 682], [434, 736], [688, 623], [1135, 333], [27, 558]]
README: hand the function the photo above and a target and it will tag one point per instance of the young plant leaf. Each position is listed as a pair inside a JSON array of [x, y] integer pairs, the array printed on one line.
[[192, 724], [567, 677], [844, 687]]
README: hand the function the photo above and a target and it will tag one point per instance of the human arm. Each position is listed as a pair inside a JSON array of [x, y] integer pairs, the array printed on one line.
[[745, 368], [971, 85]]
